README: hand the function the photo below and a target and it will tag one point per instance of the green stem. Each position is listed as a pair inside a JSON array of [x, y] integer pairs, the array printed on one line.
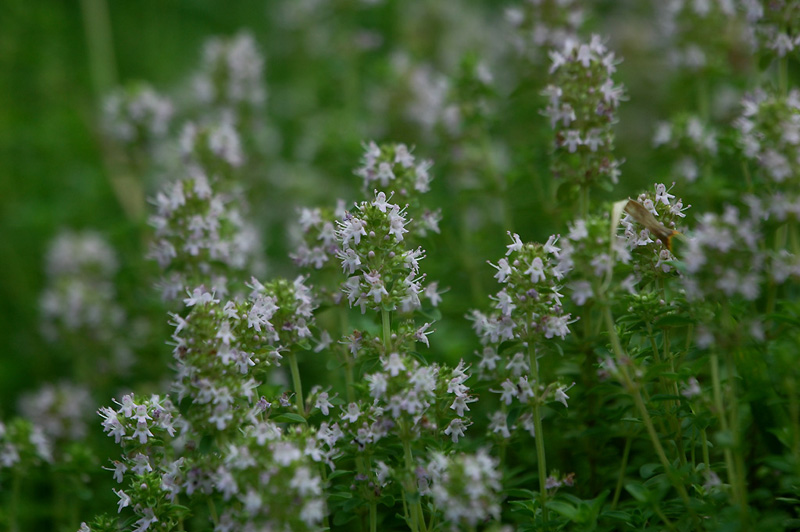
[[794, 414], [16, 490], [783, 75], [97, 25], [636, 394], [720, 407], [212, 510], [298, 386], [660, 513], [706, 458], [349, 379], [373, 516], [583, 200], [541, 463], [386, 322], [410, 492], [623, 466]]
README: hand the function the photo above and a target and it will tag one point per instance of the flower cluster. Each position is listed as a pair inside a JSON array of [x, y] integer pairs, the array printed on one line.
[[774, 25], [220, 346], [318, 244], [200, 236], [80, 297], [144, 428], [582, 107], [138, 423], [215, 147], [231, 75], [414, 395], [529, 306], [383, 272], [466, 487], [23, 444], [691, 143], [698, 34], [429, 106], [590, 257], [544, 24], [392, 169], [723, 258], [769, 134], [80, 300], [61, 410], [137, 115], [650, 255], [269, 480]]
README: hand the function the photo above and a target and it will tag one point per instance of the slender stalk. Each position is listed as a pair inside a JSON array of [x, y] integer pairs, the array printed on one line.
[[741, 475], [297, 384], [97, 25], [794, 414], [386, 322], [373, 516], [583, 200], [410, 492], [660, 513], [13, 511], [636, 394], [541, 462], [723, 420], [623, 466], [212, 509], [783, 75], [326, 522], [349, 380]]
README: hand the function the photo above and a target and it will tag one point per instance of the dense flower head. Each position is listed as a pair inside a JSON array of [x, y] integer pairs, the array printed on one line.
[[219, 346], [769, 135], [23, 444], [200, 235], [723, 258], [589, 257], [582, 107], [691, 142], [543, 24], [80, 297], [774, 25], [138, 422], [423, 397], [429, 89], [698, 35], [137, 115], [232, 72], [465, 487], [529, 306], [393, 170], [318, 245], [650, 255], [383, 272], [214, 147], [270, 479], [61, 410]]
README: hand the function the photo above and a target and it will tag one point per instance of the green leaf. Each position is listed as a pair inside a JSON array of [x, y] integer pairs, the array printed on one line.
[[521, 493], [617, 514], [639, 492], [565, 509], [289, 417], [674, 320], [648, 470]]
